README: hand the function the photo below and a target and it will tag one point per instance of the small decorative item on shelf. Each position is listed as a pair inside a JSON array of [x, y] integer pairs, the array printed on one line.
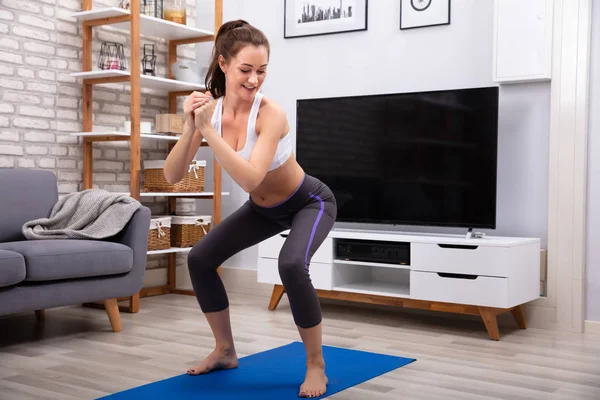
[[159, 236], [171, 124], [187, 230], [188, 71], [175, 11], [124, 4], [154, 178], [112, 56], [152, 8], [145, 127], [149, 60]]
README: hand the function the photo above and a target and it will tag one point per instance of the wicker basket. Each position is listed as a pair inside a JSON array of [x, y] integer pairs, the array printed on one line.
[[154, 178], [187, 230], [159, 236]]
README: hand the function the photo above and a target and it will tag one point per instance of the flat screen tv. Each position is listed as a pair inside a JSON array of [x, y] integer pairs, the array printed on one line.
[[426, 158]]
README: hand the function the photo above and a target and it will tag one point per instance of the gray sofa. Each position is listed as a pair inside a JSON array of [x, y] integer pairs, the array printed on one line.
[[40, 274]]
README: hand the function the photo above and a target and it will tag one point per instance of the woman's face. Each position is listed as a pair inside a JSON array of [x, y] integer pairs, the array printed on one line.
[[246, 72]]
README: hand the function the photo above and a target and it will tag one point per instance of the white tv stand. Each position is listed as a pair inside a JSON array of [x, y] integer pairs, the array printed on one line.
[[479, 276]]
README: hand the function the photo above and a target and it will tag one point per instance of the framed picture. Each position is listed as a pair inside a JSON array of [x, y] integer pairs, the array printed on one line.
[[422, 13], [322, 17]]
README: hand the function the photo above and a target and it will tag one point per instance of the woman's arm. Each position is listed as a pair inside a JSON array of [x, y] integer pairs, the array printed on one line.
[[248, 174], [182, 154]]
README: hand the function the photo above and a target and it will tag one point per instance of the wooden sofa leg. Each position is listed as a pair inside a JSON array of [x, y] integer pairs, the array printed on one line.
[[40, 315], [112, 309]]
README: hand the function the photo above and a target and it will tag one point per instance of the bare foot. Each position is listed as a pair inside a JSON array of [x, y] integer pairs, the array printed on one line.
[[315, 382], [218, 359]]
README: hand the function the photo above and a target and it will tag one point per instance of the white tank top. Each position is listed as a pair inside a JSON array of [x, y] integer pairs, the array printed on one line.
[[284, 148]]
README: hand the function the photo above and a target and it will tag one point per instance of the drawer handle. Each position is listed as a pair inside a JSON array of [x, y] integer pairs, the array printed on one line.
[[458, 246], [457, 276]]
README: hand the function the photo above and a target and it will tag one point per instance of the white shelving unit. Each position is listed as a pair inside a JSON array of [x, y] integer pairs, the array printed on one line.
[[137, 25]]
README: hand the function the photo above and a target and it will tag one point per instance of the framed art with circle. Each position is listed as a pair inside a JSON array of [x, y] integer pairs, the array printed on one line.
[[322, 17], [424, 13]]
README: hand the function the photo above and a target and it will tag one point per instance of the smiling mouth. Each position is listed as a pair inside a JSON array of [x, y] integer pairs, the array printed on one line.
[[249, 87]]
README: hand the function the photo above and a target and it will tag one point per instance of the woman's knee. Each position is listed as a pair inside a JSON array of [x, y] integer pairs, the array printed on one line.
[[291, 267], [201, 259]]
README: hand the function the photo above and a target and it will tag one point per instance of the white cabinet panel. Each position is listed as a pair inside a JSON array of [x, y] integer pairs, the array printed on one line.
[[522, 40]]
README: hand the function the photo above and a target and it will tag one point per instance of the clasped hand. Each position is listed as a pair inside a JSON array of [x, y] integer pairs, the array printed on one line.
[[198, 109]]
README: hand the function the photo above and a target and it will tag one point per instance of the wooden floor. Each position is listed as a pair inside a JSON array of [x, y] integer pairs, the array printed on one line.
[[74, 355]]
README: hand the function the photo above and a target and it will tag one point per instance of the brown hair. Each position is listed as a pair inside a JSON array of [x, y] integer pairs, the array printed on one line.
[[231, 38]]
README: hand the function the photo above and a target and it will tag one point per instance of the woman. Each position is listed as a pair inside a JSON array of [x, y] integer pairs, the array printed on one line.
[[249, 134]]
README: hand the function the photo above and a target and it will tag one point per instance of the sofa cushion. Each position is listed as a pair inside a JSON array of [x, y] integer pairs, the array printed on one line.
[[27, 194], [47, 260], [12, 268]]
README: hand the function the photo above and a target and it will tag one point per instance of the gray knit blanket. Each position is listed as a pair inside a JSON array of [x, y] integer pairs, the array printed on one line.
[[88, 214]]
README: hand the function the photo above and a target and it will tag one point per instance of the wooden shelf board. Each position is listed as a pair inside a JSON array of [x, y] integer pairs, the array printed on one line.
[[190, 194], [106, 134], [146, 81], [371, 264], [125, 134], [376, 288], [149, 26], [171, 250]]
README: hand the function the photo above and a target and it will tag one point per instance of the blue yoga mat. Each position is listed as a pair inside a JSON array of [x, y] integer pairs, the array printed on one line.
[[272, 374]]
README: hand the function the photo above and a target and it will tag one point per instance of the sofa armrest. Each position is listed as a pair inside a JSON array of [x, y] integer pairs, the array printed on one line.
[[135, 236]]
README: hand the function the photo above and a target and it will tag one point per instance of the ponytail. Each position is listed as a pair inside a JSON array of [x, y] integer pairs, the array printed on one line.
[[231, 37], [215, 78]]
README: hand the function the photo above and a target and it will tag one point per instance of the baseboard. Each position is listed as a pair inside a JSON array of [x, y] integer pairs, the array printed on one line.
[[592, 327]]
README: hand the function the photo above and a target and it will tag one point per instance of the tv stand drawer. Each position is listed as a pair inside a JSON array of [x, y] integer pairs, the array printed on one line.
[[463, 259], [459, 288]]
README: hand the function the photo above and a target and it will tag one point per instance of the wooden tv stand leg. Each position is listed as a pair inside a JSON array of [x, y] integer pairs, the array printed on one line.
[[519, 315], [278, 291], [490, 319]]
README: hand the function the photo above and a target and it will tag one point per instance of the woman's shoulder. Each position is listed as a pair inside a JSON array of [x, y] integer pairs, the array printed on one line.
[[271, 107], [272, 111]]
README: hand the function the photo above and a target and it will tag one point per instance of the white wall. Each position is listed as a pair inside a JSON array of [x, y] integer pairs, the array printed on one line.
[[593, 200], [384, 59]]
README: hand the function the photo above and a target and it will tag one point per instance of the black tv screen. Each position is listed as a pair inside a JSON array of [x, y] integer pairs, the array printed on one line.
[[426, 158]]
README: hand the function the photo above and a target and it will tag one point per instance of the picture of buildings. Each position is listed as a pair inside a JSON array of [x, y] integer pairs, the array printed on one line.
[[323, 10]]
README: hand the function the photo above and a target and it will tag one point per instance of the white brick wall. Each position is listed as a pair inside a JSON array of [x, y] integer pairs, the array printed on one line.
[[40, 103]]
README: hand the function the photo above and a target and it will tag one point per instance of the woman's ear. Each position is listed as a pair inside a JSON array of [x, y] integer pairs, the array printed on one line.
[[222, 64]]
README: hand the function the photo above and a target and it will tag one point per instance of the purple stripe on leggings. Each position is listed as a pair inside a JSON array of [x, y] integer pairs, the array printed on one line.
[[314, 228]]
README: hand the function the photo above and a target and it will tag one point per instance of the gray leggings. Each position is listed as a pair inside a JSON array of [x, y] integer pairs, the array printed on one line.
[[309, 213]]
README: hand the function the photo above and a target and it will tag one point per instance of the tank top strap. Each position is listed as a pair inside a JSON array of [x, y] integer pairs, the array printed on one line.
[[254, 115], [217, 115]]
